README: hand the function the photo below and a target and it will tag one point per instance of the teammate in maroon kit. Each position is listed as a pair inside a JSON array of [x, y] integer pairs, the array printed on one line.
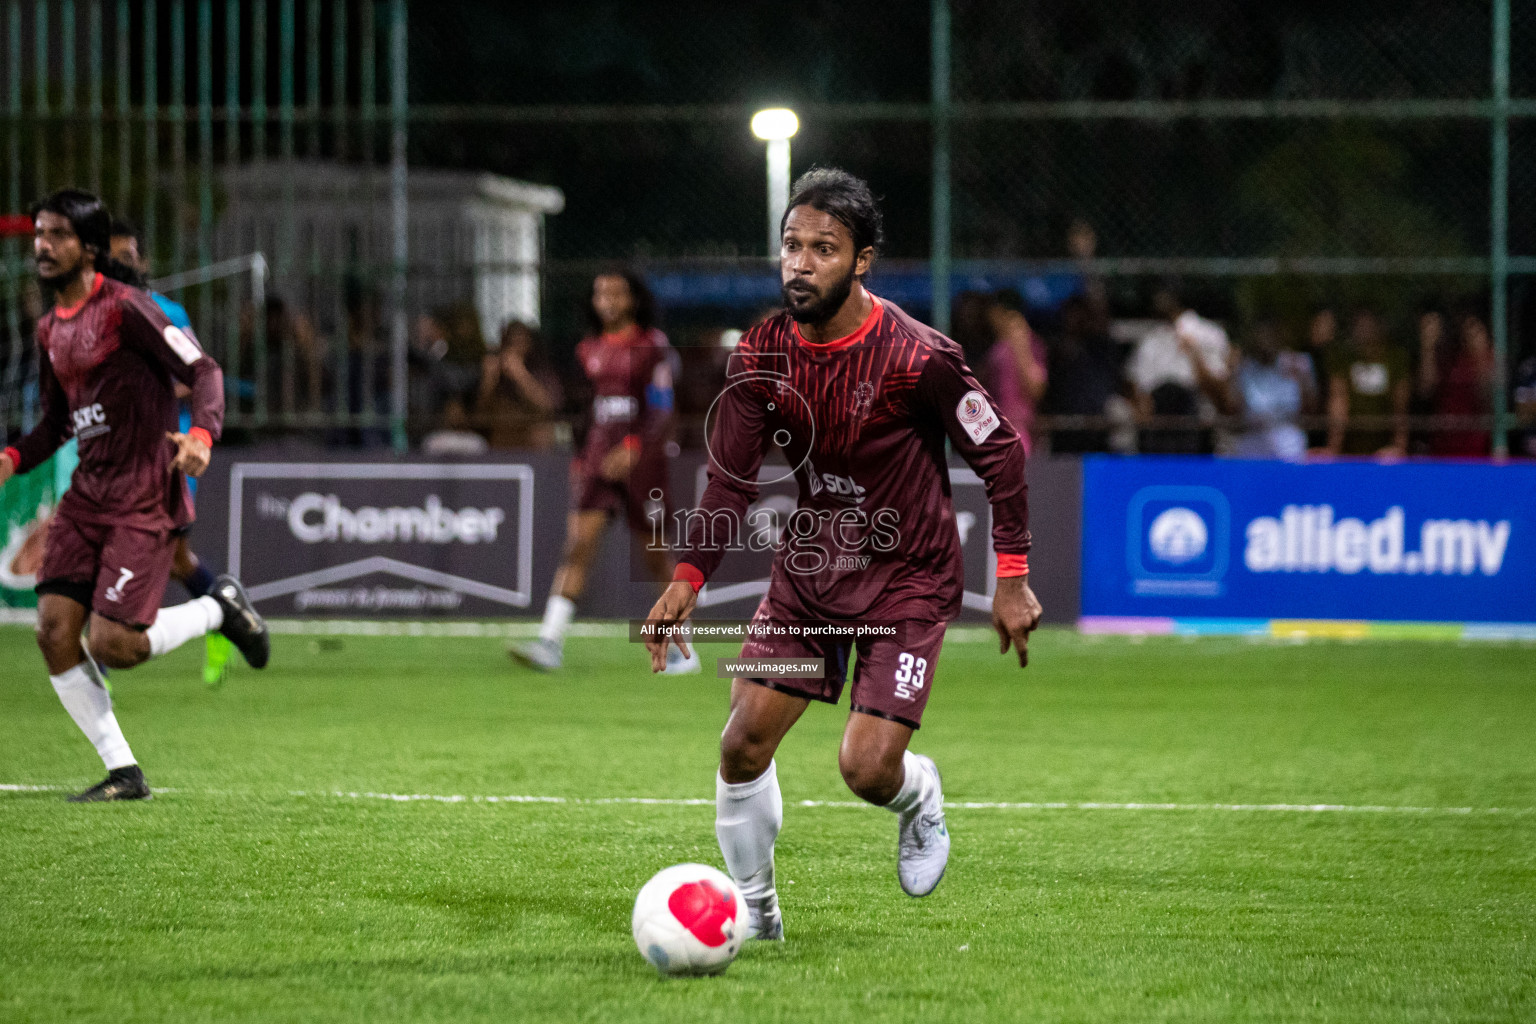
[[861, 398], [107, 359], [622, 467]]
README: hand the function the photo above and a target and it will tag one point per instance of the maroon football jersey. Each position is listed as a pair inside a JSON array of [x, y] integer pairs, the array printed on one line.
[[863, 420], [631, 376], [105, 371]]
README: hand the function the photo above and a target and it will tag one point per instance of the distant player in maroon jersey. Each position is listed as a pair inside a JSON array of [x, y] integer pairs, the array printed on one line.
[[107, 357], [861, 398], [622, 467]]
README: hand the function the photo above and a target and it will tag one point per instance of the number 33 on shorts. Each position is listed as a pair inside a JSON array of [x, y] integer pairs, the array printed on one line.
[[910, 671]]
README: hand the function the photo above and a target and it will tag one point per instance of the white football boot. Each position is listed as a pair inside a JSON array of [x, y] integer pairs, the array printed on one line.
[[677, 665], [540, 655], [764, 920], [923, 841]]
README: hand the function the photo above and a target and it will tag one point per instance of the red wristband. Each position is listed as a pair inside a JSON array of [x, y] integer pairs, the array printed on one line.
[[689, 574], [202, 435], [632, 442], [15, 457], [1012, 565]]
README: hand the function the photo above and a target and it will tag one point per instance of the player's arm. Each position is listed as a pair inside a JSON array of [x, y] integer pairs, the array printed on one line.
[[992, 448], [736, 448], [175, 349], [52, 429], [653, 427]]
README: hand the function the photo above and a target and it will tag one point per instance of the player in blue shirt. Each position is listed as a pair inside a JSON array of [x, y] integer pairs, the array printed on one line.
[[188, 569]]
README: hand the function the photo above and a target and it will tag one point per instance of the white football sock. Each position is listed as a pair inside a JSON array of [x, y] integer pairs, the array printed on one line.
[[91, 708], [557, 618], [176, 625], [748, 816], [916, 786]]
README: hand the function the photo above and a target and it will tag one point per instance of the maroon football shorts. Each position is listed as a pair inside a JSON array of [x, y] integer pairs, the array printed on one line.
[[632, 498], [892, 676], [119, 572]]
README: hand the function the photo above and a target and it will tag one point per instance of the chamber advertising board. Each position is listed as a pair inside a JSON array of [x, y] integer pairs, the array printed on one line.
[[383, 538]]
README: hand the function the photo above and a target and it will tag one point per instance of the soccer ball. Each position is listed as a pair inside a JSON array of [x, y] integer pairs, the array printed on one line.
[[689, 919]]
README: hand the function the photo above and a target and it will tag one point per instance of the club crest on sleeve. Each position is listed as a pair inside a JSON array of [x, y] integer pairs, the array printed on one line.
[[185, 348], [976, 416]]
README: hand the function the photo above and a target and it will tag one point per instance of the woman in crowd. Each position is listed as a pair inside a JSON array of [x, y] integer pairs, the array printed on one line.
[[1458, 378], [519, 391]]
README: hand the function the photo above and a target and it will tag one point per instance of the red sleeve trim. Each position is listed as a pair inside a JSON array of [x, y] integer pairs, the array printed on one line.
[[202, 435], [15, 457], [633, 442], [1012, 565], [688, 574]]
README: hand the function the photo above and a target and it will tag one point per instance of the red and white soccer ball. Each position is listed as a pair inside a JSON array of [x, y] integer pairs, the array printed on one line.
[[689, 919]]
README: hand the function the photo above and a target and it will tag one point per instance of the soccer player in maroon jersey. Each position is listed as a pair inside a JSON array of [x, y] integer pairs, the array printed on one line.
[[861, 398], [622, 467], [107, 357]]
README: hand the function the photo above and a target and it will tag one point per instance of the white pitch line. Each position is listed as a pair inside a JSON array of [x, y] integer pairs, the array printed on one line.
[[966, 805], [969, 805]]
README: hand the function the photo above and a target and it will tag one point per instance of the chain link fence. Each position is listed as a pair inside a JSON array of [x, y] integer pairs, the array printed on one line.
[[1272, 161]]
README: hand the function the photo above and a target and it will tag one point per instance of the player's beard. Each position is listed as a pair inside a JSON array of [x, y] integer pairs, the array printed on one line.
[[60, 275], [809, 306]]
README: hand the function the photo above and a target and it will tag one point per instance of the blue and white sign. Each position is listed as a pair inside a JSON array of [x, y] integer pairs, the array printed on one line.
[[1215, 538]]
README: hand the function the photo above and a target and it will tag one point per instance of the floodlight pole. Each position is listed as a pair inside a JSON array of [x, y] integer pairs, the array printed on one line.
[[778, 191], [1499, 229]]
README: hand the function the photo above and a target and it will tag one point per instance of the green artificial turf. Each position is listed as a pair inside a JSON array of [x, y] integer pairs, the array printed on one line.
[[249, 890]]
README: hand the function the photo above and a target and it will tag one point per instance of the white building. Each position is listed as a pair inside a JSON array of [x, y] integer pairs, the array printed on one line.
[[325, 231]]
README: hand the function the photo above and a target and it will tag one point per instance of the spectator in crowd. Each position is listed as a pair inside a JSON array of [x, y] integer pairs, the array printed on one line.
[[293, 377], [1459, 380], [1274, 389], [1181, 368], [1083, 370], [446, 351], [1083, 248], [1525, 407], [1015, 365], [1368, 393], [1432, 353], [971, 326], [1322, 335], [519, 391]]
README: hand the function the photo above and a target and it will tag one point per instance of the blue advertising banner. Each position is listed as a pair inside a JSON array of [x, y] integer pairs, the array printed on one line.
[[1213, 539]]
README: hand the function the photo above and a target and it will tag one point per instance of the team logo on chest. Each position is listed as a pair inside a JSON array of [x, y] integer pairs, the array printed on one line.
[[863, 397]]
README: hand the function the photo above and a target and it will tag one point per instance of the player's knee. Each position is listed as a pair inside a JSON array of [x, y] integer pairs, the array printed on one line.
[[869, 778], [118, 647], [744, 753], [54, 638]]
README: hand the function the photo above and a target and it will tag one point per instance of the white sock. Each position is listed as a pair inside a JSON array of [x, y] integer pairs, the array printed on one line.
[[91, 708], [557, 618], [748, 816], [916, 786], [175, 626]]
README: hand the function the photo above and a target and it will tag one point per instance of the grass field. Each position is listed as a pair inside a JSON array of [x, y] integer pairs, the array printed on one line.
[[254, 888]]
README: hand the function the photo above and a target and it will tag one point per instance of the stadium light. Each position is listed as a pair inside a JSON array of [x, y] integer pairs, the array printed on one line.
[[775, 126]]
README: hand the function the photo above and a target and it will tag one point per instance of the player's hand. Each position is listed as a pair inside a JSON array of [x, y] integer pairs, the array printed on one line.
[[671, 609], [1015, 612], [618, 462], [192, 456], [7, 468]]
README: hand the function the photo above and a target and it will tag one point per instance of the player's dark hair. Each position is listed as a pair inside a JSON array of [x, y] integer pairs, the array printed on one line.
[[87, 215], [117, 270], [124, 228], [639, 293], [839, 194]]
